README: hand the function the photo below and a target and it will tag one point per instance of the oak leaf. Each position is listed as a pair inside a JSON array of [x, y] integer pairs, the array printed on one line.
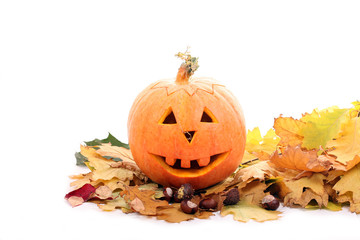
[[118, 202], [147, 199], [253, 192], [244, 211], [174, 214], [101, 167], [303, 190], [348, 188]]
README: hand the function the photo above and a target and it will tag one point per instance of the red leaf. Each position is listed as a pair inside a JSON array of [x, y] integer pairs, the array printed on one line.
[[84, 192]]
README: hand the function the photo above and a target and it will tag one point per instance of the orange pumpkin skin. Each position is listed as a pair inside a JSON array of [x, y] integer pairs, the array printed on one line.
[[198, 150]]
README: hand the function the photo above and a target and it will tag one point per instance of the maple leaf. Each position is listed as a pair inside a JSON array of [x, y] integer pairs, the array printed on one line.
[[288, 129], [258, 146], [244, 211], [295, 158], [148, 204], [321, 126], [347, 146]]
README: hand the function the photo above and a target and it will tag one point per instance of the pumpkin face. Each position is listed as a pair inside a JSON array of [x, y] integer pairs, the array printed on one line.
[[187, 133]]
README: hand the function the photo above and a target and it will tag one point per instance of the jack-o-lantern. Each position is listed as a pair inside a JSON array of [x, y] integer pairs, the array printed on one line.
[[187, 130]]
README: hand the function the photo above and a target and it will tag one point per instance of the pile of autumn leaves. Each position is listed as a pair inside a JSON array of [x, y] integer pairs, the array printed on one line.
[[311, 162]]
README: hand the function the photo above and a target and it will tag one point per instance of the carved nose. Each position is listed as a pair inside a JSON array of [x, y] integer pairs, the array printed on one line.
[[189, 135]]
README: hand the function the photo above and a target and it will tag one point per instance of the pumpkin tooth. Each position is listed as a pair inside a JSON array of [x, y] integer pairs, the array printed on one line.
[[204, 161], [185, 163], [170, 161]]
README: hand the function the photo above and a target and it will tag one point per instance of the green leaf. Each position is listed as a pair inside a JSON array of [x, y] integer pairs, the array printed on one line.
[[80, 159], [321, 126], [110, 139]]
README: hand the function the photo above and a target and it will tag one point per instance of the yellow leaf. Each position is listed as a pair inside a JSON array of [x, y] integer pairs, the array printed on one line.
[[350, 182], [111, 205], [321, 126], [244, 211], [257, 145], [347, 145], [288, 129], [102, 168], [258, 170]]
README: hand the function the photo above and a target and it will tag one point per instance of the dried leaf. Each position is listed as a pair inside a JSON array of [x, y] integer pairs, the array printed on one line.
[[288, 129], [244, 211], [347, 146], [321, 126], [84, 192], [118, 202], [75, 201], [302, 191], [258, 146], [103, 192], [174, 214], [297, 159], [259, 170], [147, 199], [253, 192], [348, 188]]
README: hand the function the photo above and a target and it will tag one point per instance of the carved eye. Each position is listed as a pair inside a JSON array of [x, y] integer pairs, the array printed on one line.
[[168, 117], [208, 117]]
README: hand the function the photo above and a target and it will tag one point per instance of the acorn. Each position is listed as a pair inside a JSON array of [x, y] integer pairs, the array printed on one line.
[[208, 204], [168, 194], [270, 202], [232, 197], [188, 206], [186, 191]]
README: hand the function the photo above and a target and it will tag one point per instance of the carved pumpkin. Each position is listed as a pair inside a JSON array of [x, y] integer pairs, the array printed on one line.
[[187, 130]]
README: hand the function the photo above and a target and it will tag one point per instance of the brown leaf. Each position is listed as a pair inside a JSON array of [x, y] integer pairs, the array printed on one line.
[[174, 214], [147, 199]]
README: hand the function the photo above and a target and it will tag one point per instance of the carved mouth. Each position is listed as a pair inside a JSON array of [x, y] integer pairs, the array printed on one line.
[[196, 165]]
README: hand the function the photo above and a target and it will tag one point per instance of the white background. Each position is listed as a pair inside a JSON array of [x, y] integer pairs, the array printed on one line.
[[70, 70]]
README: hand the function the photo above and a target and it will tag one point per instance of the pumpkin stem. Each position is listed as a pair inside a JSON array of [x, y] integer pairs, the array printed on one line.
[[187, 68]]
